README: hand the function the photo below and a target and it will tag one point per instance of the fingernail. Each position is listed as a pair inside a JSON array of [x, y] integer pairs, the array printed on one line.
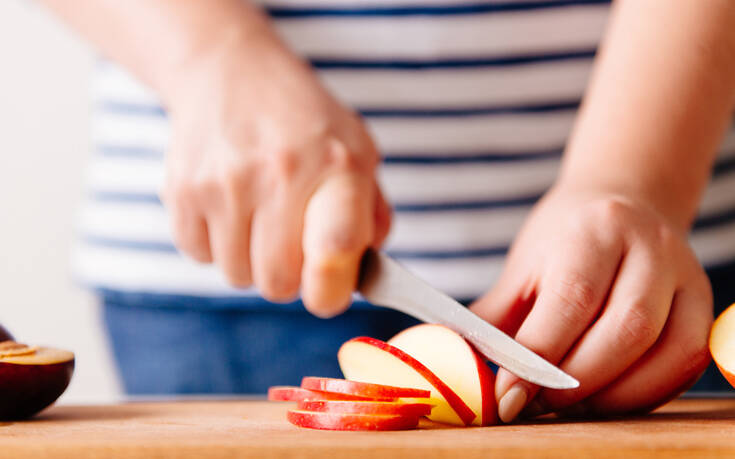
[[512, 403]]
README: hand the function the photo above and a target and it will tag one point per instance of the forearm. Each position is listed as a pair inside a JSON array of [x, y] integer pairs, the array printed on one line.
[[660, 99], [159, 39]]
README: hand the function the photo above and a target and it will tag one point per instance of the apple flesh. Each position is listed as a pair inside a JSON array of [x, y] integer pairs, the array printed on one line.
[[367, 407], [31, 378], [456, 362], [722, 343], [348, 421], [361, 389], [296, 394], [371, 360]]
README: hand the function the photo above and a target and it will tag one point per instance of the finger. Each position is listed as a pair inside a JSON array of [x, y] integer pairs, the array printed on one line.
[[230, 242], [674, 363], [191, 234], [635, 315], [338, 227], [508, 303], [276, 253], [572, 291], [383, 217]]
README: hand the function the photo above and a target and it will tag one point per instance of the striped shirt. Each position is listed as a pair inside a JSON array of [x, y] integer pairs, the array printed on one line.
[[471, 104]]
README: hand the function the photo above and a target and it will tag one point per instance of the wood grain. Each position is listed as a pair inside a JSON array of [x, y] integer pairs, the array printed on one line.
[[227, 429]]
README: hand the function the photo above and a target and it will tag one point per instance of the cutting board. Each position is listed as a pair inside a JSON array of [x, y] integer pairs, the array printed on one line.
[[258, 429]]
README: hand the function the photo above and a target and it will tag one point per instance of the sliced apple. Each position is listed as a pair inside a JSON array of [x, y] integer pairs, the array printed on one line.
[[361, 389], [455, 362], [295, 394], [354, 407], [722, 343], [342, 421], [371, 360]]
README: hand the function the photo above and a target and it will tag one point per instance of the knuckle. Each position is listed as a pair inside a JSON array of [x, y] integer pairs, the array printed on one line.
[[577, 297], [610, 210], [636, 328], [285, 163], [234, 179], [343, 158]]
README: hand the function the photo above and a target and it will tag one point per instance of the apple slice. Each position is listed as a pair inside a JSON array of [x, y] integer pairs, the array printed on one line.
[[343, 421], [455, 362], [353, 407], [371, 360], [722, 343], [361, 389], [295, 394]]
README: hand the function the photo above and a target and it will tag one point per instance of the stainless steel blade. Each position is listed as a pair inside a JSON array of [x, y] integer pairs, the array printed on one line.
[[385, 283]]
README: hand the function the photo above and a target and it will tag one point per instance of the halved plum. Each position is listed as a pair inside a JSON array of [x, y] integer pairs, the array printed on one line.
[[31, 378]]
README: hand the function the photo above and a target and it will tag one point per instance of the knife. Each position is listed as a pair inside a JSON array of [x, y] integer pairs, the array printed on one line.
[[384, 282]]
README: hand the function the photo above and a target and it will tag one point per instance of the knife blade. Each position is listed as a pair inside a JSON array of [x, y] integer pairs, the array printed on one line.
[[384, 282]]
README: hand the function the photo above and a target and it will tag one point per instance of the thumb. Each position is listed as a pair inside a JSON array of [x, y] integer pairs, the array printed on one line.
[[338, 227]]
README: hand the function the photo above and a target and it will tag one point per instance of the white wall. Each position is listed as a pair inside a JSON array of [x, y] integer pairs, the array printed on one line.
[[44, 141]]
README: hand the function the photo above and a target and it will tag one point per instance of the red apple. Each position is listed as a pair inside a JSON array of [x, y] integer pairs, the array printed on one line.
[[370, 360], [366, 407], [295, 394], [451, 358], [343, 421], [31, 378], [361, 389]]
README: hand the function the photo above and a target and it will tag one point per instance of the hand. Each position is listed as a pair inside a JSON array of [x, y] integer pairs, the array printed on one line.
[[270, 177], [608, 289]]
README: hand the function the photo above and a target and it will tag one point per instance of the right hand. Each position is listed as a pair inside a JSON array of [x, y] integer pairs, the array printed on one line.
[[269, 177]]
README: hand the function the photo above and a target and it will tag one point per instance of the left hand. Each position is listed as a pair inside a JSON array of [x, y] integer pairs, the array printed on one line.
[[609, 289]]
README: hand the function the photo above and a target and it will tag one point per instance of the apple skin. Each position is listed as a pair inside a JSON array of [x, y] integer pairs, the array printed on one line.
[[342, 421], [25, 390], [296, 394], [456, 362], [361, 389], [355, 407]]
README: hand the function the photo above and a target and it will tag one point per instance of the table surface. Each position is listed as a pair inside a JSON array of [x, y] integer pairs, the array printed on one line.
[[223, 429]]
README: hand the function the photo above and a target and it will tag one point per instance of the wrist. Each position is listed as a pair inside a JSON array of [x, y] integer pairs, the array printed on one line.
[[235, 49]]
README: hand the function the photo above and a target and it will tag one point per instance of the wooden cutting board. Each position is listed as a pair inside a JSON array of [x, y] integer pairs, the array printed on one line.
[[225, 429]]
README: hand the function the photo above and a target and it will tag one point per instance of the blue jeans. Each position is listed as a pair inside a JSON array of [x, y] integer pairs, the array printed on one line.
[[175, 349], [176, 345]]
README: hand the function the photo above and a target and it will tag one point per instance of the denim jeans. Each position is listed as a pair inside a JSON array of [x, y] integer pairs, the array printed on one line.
[[193, 350], [177, 345]]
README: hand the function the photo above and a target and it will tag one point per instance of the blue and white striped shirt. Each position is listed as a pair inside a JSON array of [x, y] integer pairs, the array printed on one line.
[[470, 103]]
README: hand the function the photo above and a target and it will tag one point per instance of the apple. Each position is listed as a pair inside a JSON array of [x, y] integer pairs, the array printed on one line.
[[722, 343], [361, 389], [295, 394], [31, 378], [371, 360], [345, 421], [366, 407], [453, 360]]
